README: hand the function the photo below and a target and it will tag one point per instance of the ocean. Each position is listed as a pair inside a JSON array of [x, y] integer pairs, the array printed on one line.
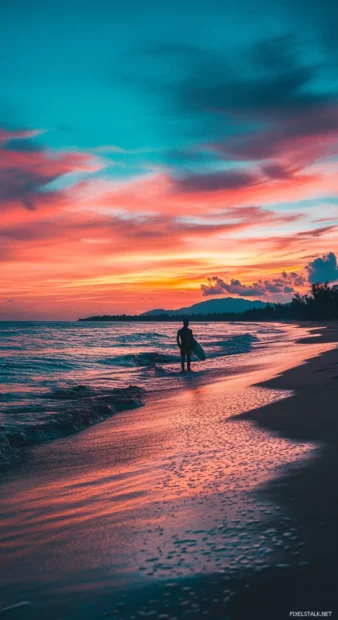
[[58, 377]]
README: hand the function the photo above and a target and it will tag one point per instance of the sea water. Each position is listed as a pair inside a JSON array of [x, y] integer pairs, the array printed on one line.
[[50, 372]]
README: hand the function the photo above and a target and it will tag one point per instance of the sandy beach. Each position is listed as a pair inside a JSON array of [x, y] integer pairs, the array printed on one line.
[[211, 501]]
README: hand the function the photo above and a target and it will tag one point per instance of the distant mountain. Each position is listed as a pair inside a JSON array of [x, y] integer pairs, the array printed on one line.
[[212, 306]]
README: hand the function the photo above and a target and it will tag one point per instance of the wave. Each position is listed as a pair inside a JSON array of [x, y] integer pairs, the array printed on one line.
[[237, 344], [145, 358], [45, 364], [66, 411], [231, 346], [140, 336]]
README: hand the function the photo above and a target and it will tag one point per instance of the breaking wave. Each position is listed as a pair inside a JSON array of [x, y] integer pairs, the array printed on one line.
[[63, 412], [231, 346], [146, 358]]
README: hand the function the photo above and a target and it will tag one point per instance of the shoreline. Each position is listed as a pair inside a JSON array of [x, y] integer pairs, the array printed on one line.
[[300, 422], [270, 592], [308, 488], [97, 408]]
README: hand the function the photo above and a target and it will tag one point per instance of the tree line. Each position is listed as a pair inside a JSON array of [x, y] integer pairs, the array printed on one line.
[[320, 304]]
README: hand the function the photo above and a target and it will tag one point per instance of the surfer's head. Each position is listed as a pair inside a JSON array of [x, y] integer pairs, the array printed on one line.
[[185, 322]]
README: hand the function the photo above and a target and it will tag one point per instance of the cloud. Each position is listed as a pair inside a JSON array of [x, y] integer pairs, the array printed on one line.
[[212, 182], [316, 232], [26, 169], [267, 112], [247, 93], [280, 286], [323, 269], [128, 228], [23, 184], [8, 135], [275, 170], [289, 140], [272, 101], [269, 78], [217, 286]]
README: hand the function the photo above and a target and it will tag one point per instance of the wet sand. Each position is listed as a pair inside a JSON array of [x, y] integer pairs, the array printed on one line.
[[185, 508]]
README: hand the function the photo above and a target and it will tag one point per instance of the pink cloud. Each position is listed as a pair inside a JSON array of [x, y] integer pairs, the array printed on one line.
[[6, 135], [26, 172]]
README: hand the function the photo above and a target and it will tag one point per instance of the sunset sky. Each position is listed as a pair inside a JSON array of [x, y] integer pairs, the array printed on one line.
[[156, 153]]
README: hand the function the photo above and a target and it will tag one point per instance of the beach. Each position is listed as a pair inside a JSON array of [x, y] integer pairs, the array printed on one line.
[[215, 498], [168, 310]]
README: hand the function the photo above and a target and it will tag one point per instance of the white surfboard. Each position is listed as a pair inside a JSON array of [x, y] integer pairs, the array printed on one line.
[[198, 350]]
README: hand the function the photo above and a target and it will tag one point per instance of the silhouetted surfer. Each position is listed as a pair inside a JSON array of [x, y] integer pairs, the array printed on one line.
[[185, 342]]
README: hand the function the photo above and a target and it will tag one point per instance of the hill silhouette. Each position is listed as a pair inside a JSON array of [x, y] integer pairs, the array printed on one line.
[[212, 306]]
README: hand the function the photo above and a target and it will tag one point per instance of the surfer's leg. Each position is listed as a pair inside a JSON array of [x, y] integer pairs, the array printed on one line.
[[182, 359], [188, 360]]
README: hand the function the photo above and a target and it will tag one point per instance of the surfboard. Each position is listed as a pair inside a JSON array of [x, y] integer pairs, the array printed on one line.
[[198, 350]]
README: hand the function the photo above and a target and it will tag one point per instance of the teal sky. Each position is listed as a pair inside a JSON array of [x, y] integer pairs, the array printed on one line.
[[200, 133]]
